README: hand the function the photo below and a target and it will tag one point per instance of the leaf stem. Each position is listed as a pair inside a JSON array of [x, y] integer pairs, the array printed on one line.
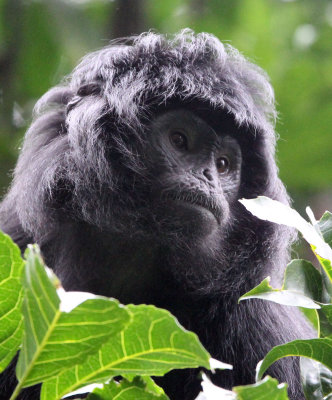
[[16, 391]]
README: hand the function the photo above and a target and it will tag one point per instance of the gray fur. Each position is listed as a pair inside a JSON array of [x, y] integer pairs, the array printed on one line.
[[81, 183], [130, 79]]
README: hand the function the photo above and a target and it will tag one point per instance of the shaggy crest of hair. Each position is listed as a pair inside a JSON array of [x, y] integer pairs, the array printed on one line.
[[123, 82], [136, 70]]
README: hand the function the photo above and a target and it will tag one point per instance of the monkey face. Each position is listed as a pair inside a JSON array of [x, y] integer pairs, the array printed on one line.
[[195, 171]]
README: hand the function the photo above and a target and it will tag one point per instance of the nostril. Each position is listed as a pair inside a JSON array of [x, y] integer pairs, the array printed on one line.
[[207, 174]]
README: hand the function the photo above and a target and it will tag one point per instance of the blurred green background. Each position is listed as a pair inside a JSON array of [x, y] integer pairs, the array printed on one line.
[[41, 41]]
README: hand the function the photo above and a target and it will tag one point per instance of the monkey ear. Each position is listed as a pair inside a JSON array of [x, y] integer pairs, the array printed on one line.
[[88, 89], [91, 88]]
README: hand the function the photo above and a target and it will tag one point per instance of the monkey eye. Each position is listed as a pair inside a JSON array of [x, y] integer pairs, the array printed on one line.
[[222, 164], [179, 140]]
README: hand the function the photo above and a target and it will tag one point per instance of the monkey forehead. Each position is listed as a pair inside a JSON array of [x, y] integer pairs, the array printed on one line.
[[193, 118], [140, 72]]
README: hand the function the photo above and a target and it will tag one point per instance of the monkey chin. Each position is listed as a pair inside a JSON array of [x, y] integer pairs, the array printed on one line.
[[193, 220]]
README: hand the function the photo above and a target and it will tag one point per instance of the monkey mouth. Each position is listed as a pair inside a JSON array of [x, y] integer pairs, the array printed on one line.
[[197, 199]]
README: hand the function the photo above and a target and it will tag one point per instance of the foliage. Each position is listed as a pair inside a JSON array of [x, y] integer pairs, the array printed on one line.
[[72, 339], [142, 388], [11, 296], [74, 342], [303, 286]]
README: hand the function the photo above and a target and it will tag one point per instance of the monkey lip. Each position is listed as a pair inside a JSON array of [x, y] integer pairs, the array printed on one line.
[[200, 200]]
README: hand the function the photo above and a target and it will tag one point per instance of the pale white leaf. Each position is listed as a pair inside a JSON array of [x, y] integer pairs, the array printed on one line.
[[70, 300], [85, 389], [216, 364], [213, 392], [274, 211]]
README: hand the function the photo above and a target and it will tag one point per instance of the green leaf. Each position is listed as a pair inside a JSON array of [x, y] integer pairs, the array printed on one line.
[[316, 379], [151, 386], [325, 226], [327, 286], [302, 286], [313, 317], [266, 389], [327, 310], [325, 317], [301, 276], [142, 388], [316, 349], [11, 295], [285, 297], [55, 340], [152, 344], [326, 265]]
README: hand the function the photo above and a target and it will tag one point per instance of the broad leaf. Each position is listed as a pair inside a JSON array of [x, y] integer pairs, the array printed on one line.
[[285, 297], [141, 388], [274, 211], [327, 267], [214, 392], [327, 310], [11, 295], [56, 340], [302, 277], [325, 317], [317, 349], [216, 364], [325, 226], [313, 317], [316, 379], [302, 286], [152, 344], [266, 389], [327, 286]]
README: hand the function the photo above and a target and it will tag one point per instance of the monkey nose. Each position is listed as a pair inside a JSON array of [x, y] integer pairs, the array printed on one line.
[[208, 175]]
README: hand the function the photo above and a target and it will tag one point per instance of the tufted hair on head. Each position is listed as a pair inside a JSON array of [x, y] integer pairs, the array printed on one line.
[[150, 68], [106, 101]]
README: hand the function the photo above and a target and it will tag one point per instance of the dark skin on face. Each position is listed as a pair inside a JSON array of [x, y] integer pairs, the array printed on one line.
[[197, 170], [194, 164]]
